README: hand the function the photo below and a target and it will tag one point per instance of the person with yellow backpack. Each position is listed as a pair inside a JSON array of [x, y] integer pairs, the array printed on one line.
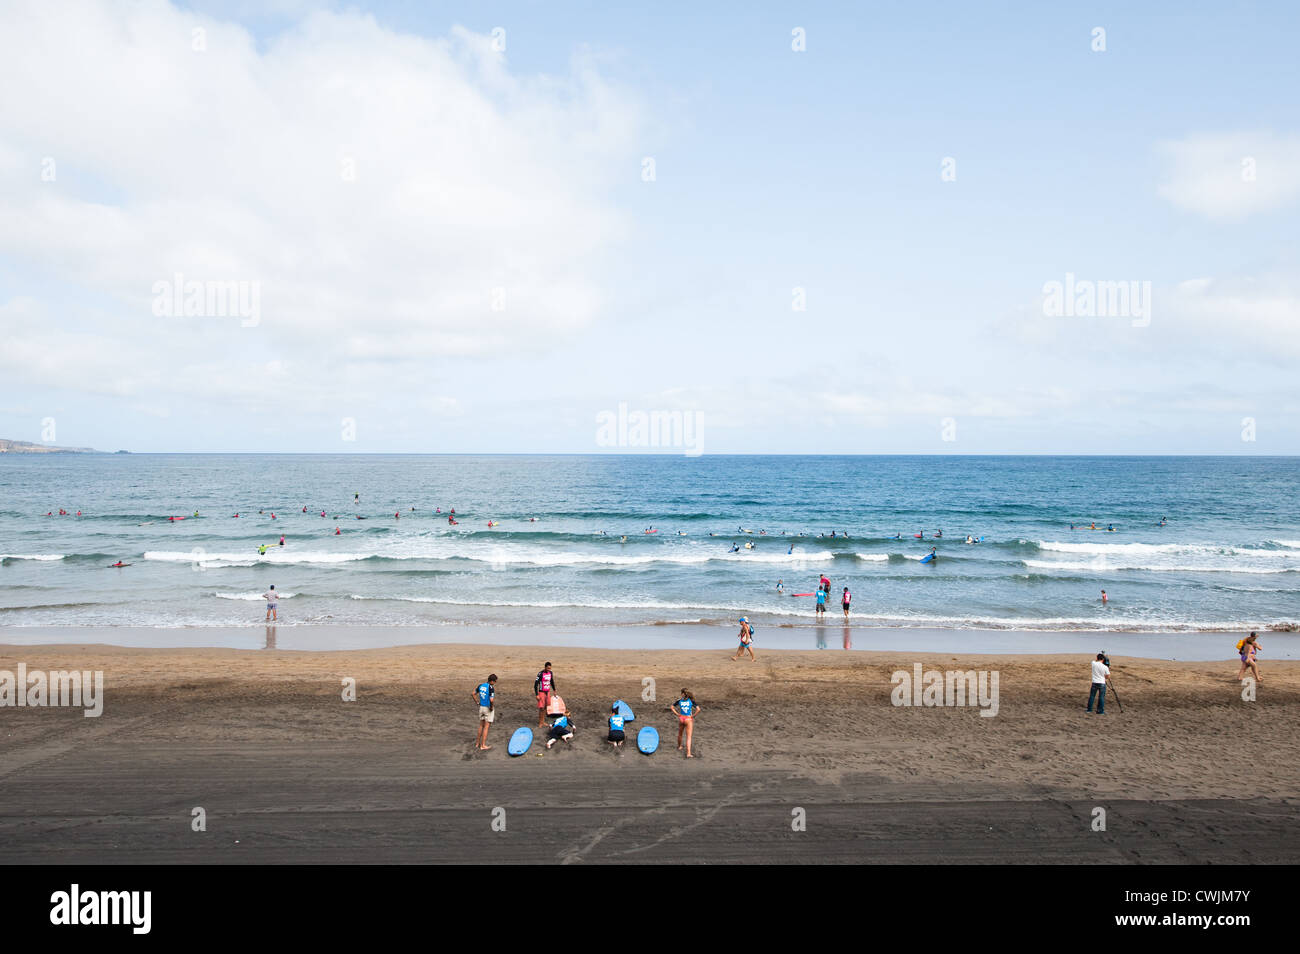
[[1247, 648]]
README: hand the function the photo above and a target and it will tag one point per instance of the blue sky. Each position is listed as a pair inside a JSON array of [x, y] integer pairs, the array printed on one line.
[[498, 272]]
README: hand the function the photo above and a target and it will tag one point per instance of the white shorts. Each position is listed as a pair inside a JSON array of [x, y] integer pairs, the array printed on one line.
[[485, 714]]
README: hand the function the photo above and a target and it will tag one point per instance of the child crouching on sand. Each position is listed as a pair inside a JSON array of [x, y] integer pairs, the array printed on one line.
[[561, 728], [616, 724]]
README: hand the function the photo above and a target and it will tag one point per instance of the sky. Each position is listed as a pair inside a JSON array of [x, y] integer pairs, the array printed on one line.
[[569, 227]]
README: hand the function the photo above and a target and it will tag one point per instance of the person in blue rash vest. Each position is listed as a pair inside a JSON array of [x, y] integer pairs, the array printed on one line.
[[486, 694], [616, 723]]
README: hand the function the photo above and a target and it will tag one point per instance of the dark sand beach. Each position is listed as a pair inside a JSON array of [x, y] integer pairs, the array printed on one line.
[[286, 771]]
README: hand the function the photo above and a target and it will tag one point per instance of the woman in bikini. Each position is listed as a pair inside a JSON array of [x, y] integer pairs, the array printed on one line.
[[686, 709], [1248, 649]]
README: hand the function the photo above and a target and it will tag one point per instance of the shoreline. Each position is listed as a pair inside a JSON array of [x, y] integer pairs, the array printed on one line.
[[825, 638]]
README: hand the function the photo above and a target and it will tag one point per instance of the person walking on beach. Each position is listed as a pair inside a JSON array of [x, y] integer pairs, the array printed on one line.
[[543, 685], [1247, 648], [616, 723], [486, 694], [746, 641], [845, 598], [1100, 673], [272, 604], [686, 709]]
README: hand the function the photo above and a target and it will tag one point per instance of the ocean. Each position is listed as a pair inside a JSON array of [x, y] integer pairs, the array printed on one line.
[[569, 545]]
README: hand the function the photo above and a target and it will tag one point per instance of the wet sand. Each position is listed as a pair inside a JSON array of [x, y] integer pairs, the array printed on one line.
[[286, 771]]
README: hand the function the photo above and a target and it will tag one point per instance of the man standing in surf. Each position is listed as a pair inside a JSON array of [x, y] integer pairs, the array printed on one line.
[[543, 685]]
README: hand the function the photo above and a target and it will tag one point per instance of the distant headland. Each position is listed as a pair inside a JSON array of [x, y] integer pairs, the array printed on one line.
[[27, 447]]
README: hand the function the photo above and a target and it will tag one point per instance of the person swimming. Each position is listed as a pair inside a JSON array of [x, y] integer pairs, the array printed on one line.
[[735, 548]]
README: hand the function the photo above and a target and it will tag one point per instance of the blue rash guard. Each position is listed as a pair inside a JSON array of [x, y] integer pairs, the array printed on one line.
[[485, 693], [616, 723], [686, 706]]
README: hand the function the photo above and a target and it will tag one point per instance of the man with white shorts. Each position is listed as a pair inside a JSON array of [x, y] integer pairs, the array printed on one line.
[[486, 694]]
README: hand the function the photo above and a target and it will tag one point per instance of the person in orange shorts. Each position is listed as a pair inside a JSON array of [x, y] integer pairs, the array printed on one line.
[[686, 709]]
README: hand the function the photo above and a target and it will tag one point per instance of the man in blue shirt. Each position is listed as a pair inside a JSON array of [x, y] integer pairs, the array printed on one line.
[[486, 695], [821, 601]]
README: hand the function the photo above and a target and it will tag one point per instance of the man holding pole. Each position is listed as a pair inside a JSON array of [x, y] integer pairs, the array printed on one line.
[[1100, 673]]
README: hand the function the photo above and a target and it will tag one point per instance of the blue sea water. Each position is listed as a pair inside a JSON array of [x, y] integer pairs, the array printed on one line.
[[1227, 558]]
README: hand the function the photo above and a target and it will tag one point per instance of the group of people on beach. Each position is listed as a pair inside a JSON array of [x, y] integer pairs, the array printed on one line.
[[561, 727]]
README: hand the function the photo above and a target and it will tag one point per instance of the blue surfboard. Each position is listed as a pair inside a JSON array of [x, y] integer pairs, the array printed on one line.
[[520, 741], [647, 740], [625, 711], [927, 558]]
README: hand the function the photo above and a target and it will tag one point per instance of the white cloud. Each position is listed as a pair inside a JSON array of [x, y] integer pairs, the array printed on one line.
[[1232, 175], [478, 220]]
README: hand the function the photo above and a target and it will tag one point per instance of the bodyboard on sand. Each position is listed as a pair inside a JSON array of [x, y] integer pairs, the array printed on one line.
[[647, 740], [520, 741]]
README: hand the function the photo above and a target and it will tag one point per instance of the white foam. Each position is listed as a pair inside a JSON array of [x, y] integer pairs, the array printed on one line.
[[1106, 566], [873, 557], [277, 555], [44, 557], [252, 596]]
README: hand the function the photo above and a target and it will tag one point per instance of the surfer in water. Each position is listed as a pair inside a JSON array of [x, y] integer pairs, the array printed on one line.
[[934, 554]]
